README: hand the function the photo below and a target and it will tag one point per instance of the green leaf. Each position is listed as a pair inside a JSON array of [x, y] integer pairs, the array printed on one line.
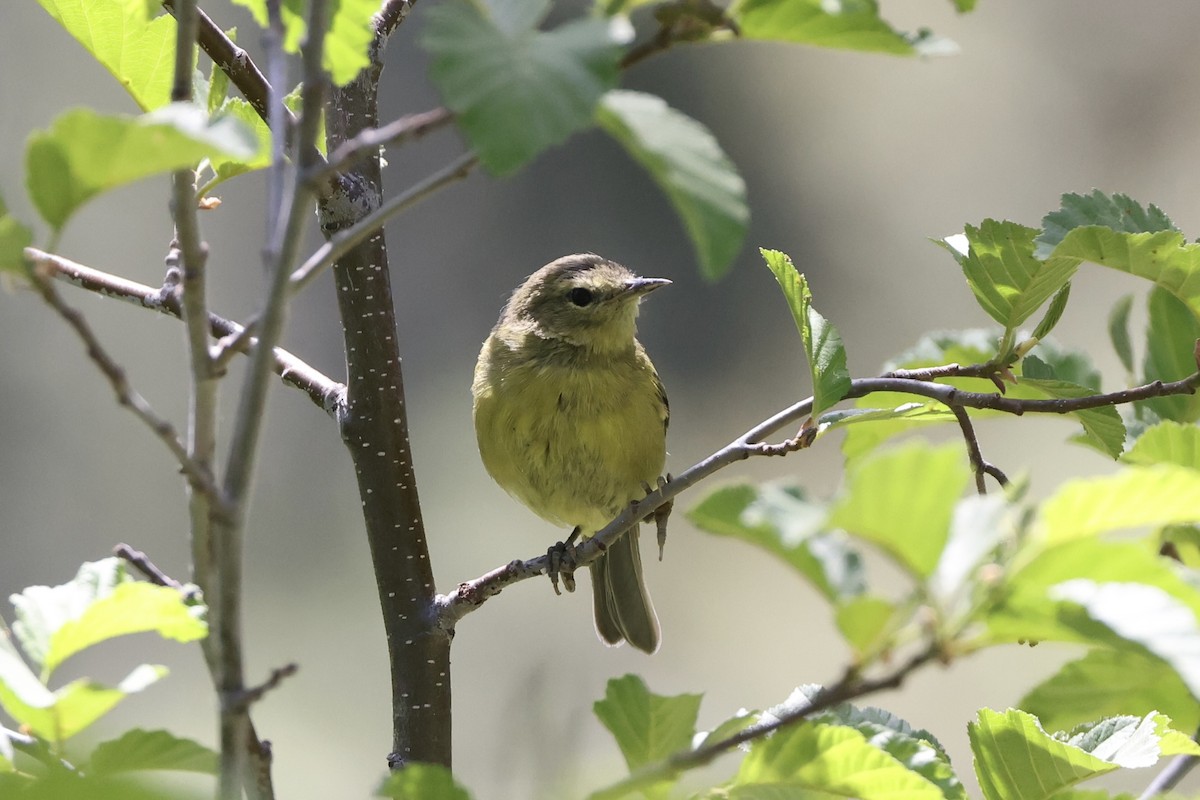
[[59, 715], [822, 342], [918, 750], [14, 238], [1170, 353], [1015, 759], [1166, 443], [1145, 615], [1009, 282], [863, 622], [1116, 212], [1054, 312], [1158, 495], [1118, 331], [1102, 426], [85, 153], [139, 52], [417, 781], [517, 90], [346, 43], [821, 760], [647, 727], [903, 499], [1164, 258], [687, 163], [847, 26], [790, 528], [131, 608], [1110, 682], [140, 749], [1032, 610], [101, 603]]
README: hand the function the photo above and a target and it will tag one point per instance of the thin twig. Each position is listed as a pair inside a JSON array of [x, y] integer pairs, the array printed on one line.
[[848, 688], [325, 392], [408, 128], [126, 395], [252, 695], [344, 241], [978, 465], [469, 595], [143, 564]]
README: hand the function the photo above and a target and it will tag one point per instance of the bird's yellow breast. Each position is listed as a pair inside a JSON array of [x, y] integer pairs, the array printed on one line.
[[574, 441]]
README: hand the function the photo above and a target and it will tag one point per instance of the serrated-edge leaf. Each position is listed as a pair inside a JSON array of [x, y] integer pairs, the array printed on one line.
[[833, 759], [1118, 331], [1117, 212], [139, 749], [1009, 283], [685, 160], [1015, 759], [822, 342]]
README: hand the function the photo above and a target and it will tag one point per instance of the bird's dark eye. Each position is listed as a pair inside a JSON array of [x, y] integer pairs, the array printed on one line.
[[580, 296]]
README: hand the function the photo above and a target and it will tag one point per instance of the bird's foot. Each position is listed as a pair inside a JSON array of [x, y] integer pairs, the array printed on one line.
[[562, 563], [660, 514]]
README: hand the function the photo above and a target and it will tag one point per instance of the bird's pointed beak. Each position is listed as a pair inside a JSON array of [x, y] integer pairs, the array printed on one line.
[[640, 287]]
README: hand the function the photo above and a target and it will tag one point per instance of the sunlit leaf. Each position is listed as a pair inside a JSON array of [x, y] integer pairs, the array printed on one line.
[[138, 51], [903, 499], [847, 26], [14, 238], [1009, 282], [822, 342], [1162, 494], [346, 43], [86, 153]]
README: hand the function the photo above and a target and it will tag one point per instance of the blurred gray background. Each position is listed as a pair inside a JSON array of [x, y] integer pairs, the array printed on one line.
[[851, 161]]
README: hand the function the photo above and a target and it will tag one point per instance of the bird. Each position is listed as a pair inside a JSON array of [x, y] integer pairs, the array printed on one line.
[[571, 420]]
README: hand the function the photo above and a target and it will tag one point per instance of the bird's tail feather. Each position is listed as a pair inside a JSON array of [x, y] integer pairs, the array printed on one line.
[[621, 603]]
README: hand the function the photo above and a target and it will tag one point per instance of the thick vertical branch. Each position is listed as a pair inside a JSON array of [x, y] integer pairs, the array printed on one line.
[[375, 429]]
